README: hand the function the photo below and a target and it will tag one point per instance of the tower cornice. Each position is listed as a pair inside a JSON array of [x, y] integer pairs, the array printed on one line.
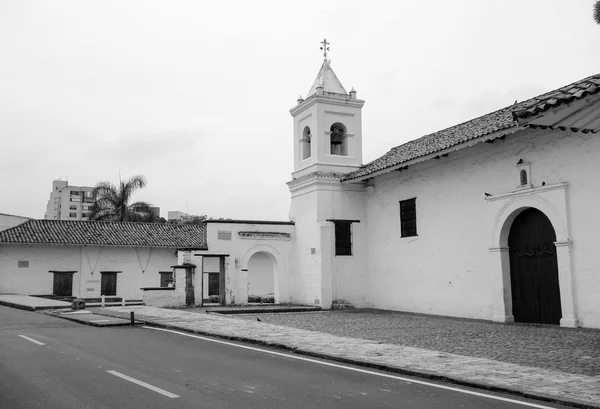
[[330, 100]]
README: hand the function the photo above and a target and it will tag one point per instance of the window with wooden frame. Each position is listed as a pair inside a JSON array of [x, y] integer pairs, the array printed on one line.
[[408, 218], [343, 238], [166, 277]]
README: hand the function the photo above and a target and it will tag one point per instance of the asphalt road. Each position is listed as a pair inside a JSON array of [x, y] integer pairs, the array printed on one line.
[[132, 367]]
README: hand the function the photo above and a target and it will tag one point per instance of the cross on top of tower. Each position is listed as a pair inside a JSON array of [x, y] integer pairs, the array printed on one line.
[[325, 48]]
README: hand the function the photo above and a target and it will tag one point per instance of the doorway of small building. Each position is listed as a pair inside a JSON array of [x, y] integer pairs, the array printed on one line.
[[108, 283], [63, 284], [534, 269], [261, 278], [213, 279]]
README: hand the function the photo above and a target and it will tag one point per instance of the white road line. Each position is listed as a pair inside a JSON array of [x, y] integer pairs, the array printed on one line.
[[144, 384], [35, 341], [384, 375]]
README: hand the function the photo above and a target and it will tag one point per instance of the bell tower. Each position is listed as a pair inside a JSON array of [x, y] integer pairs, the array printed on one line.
[[329, 249], [327, 126]]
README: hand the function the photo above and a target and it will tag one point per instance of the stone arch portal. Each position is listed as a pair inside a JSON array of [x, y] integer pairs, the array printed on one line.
[[264, 266], [552, 207]]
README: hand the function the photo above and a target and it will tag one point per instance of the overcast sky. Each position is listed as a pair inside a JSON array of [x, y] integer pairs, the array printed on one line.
[[195, 95]]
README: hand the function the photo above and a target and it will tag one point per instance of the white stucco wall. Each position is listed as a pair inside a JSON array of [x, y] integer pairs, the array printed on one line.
[[88, 262], [448, 268], [320, 277], [239, 251]]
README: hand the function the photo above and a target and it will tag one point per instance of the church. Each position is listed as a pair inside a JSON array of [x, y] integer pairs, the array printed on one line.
[[496, 218]]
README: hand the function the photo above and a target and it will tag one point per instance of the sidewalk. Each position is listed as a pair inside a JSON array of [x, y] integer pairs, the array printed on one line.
[[539, 383], [25, 302]]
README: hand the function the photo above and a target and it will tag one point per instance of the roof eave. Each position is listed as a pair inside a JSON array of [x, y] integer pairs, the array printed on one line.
[[494, 135]]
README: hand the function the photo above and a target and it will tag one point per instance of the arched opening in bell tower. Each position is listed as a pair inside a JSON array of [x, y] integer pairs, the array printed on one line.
[[338, 139], [305, 146]]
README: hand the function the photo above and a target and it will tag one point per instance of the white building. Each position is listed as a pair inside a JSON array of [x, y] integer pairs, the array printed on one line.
[[10, 220], [87, 259], [176, 215], [69, 202], [494, 218]]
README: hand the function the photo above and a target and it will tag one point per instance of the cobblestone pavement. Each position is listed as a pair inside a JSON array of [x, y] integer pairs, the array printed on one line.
[[575, 351], [531, 381]]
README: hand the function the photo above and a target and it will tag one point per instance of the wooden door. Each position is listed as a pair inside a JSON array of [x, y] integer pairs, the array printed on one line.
[[189, 287], [108, 284], [63, 284], [534, 269]]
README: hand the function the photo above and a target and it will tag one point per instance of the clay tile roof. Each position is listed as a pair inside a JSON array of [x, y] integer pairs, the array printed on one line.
[[93, 233], [477, 128]]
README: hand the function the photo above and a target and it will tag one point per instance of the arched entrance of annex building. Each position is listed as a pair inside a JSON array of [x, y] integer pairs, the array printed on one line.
[[534, 278], [261, 277]]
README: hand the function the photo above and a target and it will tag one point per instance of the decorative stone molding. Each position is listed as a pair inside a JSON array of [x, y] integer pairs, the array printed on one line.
[[264, 235], [340, 113], [321, 177], [532, 190]]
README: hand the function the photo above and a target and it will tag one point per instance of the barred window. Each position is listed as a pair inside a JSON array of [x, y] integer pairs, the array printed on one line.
[[343, 238], [408, 218]]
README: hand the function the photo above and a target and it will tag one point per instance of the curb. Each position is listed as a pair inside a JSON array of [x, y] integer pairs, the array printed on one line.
[[93, 324], [421, 374]]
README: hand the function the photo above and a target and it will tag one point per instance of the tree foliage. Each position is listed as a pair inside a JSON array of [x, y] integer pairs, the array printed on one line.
[[112, 202], [597, 11], [191, 219]]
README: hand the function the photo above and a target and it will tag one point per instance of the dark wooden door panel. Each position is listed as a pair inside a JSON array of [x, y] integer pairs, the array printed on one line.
[[213, 284], [108, 284], [534, 269], [189, 287], [63, 284]]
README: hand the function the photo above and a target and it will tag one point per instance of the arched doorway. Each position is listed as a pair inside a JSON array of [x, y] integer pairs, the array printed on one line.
[[261, 278], [534, 269]]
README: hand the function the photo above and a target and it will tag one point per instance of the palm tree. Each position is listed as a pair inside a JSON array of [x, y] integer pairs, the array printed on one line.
[[597, 11], [112, 202]]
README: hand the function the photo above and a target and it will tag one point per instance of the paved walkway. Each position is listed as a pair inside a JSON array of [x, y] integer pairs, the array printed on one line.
[[26, 302], [579, 389], [575, 351]]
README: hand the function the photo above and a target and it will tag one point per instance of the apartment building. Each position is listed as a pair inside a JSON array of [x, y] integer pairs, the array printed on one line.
[[69, 202]]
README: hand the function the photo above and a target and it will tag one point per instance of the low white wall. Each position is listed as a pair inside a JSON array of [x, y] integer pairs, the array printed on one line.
[[138, 268], [163, 298]]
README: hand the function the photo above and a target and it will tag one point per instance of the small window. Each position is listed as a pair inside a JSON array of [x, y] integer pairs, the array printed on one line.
[[408, 218], [73, 207], [23, 264], [305, 142], [523, 174], [343, 238], [72, 214], [224, 235], [166, 279]]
